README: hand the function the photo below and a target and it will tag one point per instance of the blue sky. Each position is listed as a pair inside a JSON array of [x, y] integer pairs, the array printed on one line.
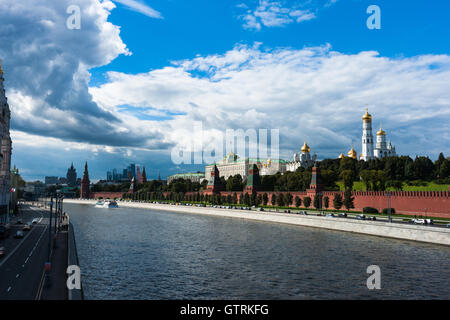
[[209, 27], [128, 91]]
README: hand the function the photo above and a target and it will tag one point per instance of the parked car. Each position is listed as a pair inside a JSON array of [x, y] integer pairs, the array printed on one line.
[[5, 230], [260, 209], [342, 215], [418, 221], [330, 215], [448, 225], [429, 221], [19, 234], [361, 217], [2, 251]]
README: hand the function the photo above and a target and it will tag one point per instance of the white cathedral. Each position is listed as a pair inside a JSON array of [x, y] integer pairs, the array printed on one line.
[[382, 149]]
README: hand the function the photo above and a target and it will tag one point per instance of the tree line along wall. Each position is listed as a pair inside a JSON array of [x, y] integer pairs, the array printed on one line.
[[105, 195], [429, 203]]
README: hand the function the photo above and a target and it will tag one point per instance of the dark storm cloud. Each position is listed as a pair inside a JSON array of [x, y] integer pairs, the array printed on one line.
[[46, 71]]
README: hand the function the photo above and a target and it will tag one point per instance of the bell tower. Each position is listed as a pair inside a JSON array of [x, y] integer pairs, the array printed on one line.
[[367, 137]]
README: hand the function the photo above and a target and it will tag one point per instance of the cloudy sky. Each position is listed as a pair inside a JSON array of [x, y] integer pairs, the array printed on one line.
[[129, 85]]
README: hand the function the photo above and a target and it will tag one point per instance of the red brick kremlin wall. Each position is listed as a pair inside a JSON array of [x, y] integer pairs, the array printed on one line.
[[430, 203], [105, 195]]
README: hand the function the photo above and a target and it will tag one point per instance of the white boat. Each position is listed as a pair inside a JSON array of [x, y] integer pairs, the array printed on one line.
[[106, 204]]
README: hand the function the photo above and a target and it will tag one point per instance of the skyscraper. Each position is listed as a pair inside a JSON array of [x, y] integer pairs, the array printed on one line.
[[71, 176]]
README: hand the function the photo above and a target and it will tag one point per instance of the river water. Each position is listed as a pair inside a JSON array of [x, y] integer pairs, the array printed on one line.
[[130, 253]]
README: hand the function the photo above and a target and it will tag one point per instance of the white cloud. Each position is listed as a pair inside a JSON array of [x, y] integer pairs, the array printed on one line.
[[47, 72], [141, 8], [312, 94], [273, 14]]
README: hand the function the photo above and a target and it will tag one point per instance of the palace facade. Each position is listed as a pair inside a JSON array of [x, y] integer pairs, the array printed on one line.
[[232, 164]]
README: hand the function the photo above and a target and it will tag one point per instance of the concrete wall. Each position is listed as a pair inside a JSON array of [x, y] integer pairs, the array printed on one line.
[[72, 259]]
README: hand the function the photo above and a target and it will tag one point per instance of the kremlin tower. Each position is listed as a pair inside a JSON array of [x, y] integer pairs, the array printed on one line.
[[85, 193]]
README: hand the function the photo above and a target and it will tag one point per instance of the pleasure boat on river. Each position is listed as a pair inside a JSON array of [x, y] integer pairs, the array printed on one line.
[[106, 204]]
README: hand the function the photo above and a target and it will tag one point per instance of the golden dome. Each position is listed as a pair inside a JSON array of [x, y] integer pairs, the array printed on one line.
[[306, 148], [352, 153], [360, 156], [367, 116], [341, 156], [1, 70], [381, 132]]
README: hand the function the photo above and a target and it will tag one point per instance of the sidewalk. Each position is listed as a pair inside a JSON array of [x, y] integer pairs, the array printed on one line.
[[58, 289]]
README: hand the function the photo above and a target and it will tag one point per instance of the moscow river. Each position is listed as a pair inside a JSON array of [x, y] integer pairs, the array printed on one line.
[[130, 253]]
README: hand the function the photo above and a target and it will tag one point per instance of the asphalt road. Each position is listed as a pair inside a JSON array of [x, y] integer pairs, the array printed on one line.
[[22, 266]]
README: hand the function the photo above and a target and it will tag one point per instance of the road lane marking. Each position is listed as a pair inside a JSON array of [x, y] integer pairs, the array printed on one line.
[[18, 246]]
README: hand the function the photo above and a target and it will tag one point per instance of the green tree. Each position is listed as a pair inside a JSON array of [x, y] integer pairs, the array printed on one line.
[[253, 199], [444, 170], [288, 199], [297, 201], [280, 199], [347, 176], [259, 199], [326, 202], [246, 199], [337, 201], [273, 199], [366, 177], [395, 184], [265, 199], [348, 200], [306, 202], [316, 201], [234, 183]]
